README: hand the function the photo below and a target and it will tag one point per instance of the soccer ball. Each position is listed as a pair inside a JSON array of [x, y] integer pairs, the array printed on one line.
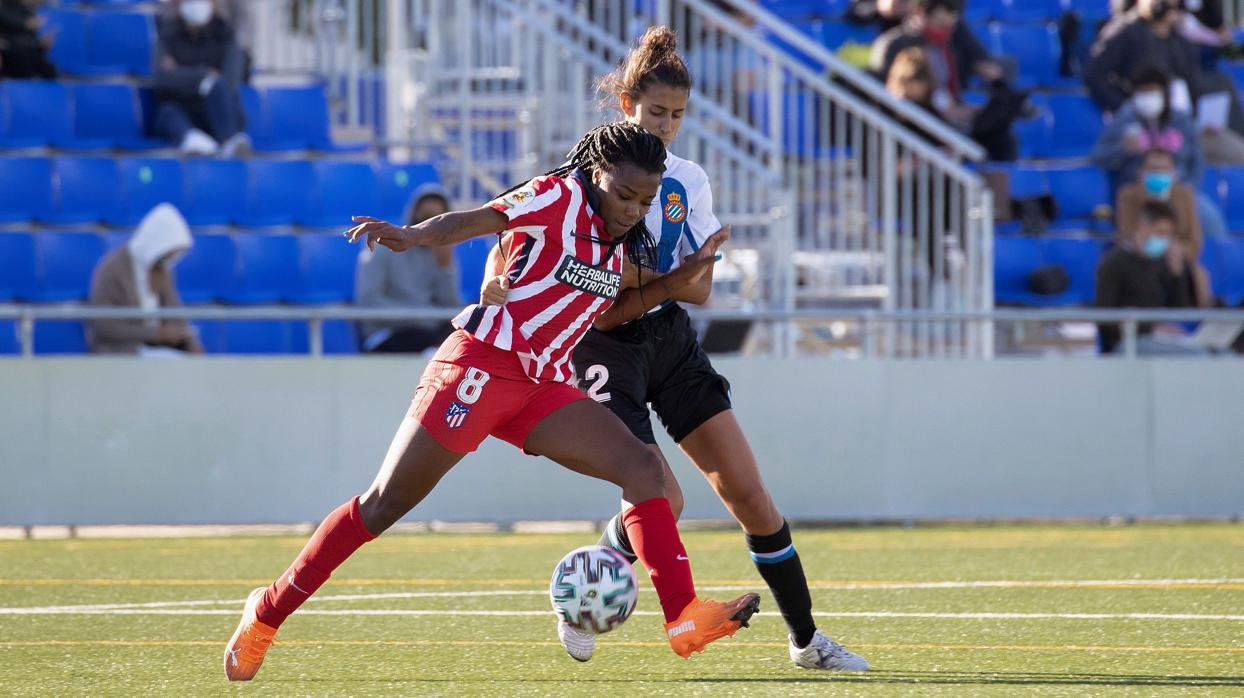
[[594, 589]]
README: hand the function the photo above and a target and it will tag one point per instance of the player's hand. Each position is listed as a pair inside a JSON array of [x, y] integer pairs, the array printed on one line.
[[495, 291], [696, 265], [171, 335], [374, 231]]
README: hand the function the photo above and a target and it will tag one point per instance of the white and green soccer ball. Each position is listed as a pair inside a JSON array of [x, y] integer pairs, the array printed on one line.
[[594, 589]]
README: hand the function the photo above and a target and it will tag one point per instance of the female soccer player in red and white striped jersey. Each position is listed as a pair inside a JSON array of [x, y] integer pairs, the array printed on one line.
[[506, 373]]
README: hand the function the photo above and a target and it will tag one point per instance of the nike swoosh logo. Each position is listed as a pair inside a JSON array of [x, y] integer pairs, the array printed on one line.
[[684, 557]]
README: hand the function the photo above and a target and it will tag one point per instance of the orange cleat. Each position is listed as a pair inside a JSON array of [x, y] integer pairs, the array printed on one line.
[[244, 654], [702, 622]]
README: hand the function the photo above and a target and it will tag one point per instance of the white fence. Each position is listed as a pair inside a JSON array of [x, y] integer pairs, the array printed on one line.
[[227, 440]]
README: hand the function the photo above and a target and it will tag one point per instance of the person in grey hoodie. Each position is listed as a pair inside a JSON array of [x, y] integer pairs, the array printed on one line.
[[421, 277], [140, 275]]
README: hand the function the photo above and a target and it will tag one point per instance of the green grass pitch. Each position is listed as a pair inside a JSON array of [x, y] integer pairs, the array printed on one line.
[[1055, 610]]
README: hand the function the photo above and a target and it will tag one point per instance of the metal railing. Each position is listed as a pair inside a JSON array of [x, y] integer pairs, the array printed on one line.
[[833, 196], [867, 330]]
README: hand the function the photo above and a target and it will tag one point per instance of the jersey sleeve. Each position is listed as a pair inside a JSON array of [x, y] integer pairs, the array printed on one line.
[[701, 221], [531, 204]]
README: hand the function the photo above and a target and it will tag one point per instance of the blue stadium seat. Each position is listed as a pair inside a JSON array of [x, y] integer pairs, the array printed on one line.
[[1019, 11], [834, 34], [216, 191], [327, 264], [10, 342], [25, 188], [345, 189], [1034, 46], [146, 182], [1079, 256], [295, 118], [126, 39], [1076, 123], [1228, 276], [87, 191], [266, 270], [204, 273], [398, 182], [111, 113], [60, 337], [252, 106], [17, 264], [1210, 185], [264, 336], [340, 337], [279, 192], [1078, 191], [1015, 257], [1091, 11], [1028, 182], [472, 258], [69, 53], [36, 114], [63, 266], [211, 336], [1231, 195]]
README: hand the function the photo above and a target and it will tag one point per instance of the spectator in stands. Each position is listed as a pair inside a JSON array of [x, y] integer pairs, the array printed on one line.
[[954, 51], [1144, 122], [198, 80], [912, 78], [23, 53], [1148, 270], [424, 277], [1158, 182], [885, 14], [1148, 35], [140, 275]]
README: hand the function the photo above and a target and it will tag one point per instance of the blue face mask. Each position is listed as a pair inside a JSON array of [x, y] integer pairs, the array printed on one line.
[[1156, 246], [1158, 184]]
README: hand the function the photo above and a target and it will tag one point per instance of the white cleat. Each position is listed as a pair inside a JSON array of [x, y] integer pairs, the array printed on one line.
[[824, 653], [578, 644]]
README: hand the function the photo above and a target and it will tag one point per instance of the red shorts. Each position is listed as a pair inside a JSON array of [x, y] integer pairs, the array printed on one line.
[[471, 390]]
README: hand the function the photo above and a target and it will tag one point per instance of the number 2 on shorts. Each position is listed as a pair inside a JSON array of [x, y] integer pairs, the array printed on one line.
[[472, 385], [600, 374]]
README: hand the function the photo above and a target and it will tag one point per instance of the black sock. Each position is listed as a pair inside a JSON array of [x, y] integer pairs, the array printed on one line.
[[779, 565], [615, 537]]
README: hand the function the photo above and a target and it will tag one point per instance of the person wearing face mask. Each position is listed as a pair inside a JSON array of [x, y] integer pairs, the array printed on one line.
[[140, 275], [1158, 181], [198, 80], [1149, 34], [1145, 122], [1147, 269]]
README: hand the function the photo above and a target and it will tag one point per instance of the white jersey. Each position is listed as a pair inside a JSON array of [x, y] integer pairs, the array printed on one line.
[[681, 218]]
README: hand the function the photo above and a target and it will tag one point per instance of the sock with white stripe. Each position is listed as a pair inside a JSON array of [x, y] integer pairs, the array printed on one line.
[[779, 565], [615, 537]]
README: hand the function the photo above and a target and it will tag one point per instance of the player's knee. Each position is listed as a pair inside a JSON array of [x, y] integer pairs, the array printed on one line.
[[753, 505], [379, 512], [640, 469]]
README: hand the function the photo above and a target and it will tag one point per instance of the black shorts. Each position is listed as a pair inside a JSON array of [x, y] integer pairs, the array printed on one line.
[[656, 359]]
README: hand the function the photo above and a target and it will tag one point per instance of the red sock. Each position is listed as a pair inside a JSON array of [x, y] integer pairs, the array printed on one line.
[[654, 536], [341, 533]]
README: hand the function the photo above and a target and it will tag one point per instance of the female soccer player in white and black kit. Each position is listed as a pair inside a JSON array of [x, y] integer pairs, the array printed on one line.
[[656, 359]]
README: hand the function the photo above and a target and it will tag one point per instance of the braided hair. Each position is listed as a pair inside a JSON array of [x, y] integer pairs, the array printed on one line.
[[603, 149]]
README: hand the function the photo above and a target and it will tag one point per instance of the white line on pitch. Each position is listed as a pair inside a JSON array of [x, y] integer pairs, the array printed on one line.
[[431, 612]]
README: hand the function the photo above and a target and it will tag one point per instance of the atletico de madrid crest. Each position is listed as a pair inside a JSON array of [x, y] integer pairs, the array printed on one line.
[[675, 209], [456, 414]]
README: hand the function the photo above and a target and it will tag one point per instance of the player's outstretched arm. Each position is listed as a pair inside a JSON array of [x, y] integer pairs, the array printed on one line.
[[439, 231]]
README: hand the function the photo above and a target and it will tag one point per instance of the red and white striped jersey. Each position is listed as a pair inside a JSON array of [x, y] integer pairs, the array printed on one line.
[[562, 277]]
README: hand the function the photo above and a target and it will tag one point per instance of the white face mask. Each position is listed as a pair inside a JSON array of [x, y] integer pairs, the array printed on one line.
[[1148, 104], [196, 13]]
